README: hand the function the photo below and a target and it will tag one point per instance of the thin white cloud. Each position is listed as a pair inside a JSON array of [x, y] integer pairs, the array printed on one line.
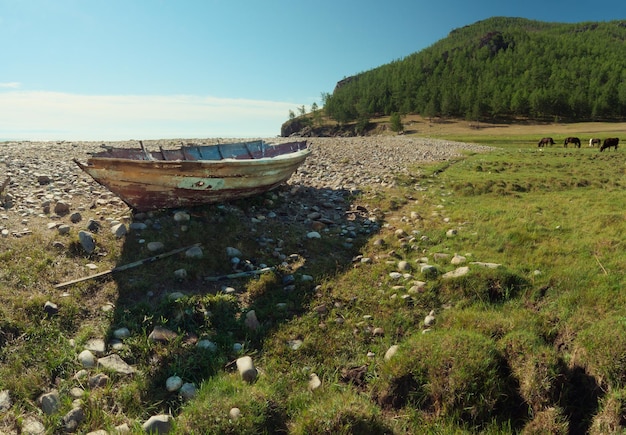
[[35, 115], [10, 85]]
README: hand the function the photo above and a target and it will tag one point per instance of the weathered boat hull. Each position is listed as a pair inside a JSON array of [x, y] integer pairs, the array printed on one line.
[[155, 184]]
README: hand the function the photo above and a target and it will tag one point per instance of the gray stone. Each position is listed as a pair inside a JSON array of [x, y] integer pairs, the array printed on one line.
[[86, 241], [173, 383], [155, 246], [121, 333], [76, 217], [98, 380], [162, 334], [458, 259], [87, 359], [158, 424], [188, 391], [50, 402], [194, 252], [96, 346], [233, 252], [72, 419], [458, 272], [50, 308], [487, 265], [115, 363], [119, 230], [32, 426]]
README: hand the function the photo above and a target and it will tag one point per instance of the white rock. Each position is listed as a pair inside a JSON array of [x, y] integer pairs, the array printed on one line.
[[234, 413], [313, 235], [429, 320], [314, 382], [391, 352], [246, 369], [458, 259]]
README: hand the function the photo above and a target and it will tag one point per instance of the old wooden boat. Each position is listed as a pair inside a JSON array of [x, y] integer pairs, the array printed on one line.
[[194, 175]]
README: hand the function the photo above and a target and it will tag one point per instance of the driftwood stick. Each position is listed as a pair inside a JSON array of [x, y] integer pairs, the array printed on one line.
[[127, 266], [238, 274]]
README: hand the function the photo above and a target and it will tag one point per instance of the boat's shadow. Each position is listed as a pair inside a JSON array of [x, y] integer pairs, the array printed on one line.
[[278, 230]]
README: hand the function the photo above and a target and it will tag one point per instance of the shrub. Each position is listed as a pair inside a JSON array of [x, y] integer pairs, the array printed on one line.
[[396, 123]]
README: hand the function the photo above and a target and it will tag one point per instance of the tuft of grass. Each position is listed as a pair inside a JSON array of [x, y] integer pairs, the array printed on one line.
[[456, 375]]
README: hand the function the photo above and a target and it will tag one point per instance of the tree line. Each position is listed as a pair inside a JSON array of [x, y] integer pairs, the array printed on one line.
[[498, 68]]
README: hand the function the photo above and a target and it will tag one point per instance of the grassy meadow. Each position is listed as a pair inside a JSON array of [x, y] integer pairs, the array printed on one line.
[[536, 345]]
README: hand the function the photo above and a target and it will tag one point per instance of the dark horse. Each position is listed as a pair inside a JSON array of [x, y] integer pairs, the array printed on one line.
[[545, 141], [573, 140], [610, 142]]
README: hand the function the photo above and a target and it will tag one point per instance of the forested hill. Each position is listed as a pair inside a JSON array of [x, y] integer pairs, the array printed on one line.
[[499, 68]]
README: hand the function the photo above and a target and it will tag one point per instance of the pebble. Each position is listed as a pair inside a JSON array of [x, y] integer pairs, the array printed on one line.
[[194, 252], [87, 359], [207, 344], [188, 391], [429, 320], [155, 246], [391, 352], [234, 413], [314, 382], [116, 364], [121, 333], [173, 383]]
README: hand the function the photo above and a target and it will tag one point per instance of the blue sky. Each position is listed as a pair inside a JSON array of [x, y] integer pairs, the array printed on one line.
[[156, 69]]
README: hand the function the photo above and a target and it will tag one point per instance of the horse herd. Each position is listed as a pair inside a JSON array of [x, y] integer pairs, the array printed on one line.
[[608, 142]]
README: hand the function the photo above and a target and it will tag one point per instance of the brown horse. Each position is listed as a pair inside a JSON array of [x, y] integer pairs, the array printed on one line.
[[610, 142], [594, 141], [573, 140], [545, 141]]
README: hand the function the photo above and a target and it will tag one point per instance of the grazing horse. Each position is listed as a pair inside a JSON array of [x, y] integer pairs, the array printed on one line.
[[545, 141], [610, 142], [594, 141], [573, 140]]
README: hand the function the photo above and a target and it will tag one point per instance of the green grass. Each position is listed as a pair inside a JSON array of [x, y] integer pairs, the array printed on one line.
[[534, 345]]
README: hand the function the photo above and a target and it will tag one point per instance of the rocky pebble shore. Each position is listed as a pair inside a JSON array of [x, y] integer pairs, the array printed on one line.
[[43, 183], [44, 190]]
